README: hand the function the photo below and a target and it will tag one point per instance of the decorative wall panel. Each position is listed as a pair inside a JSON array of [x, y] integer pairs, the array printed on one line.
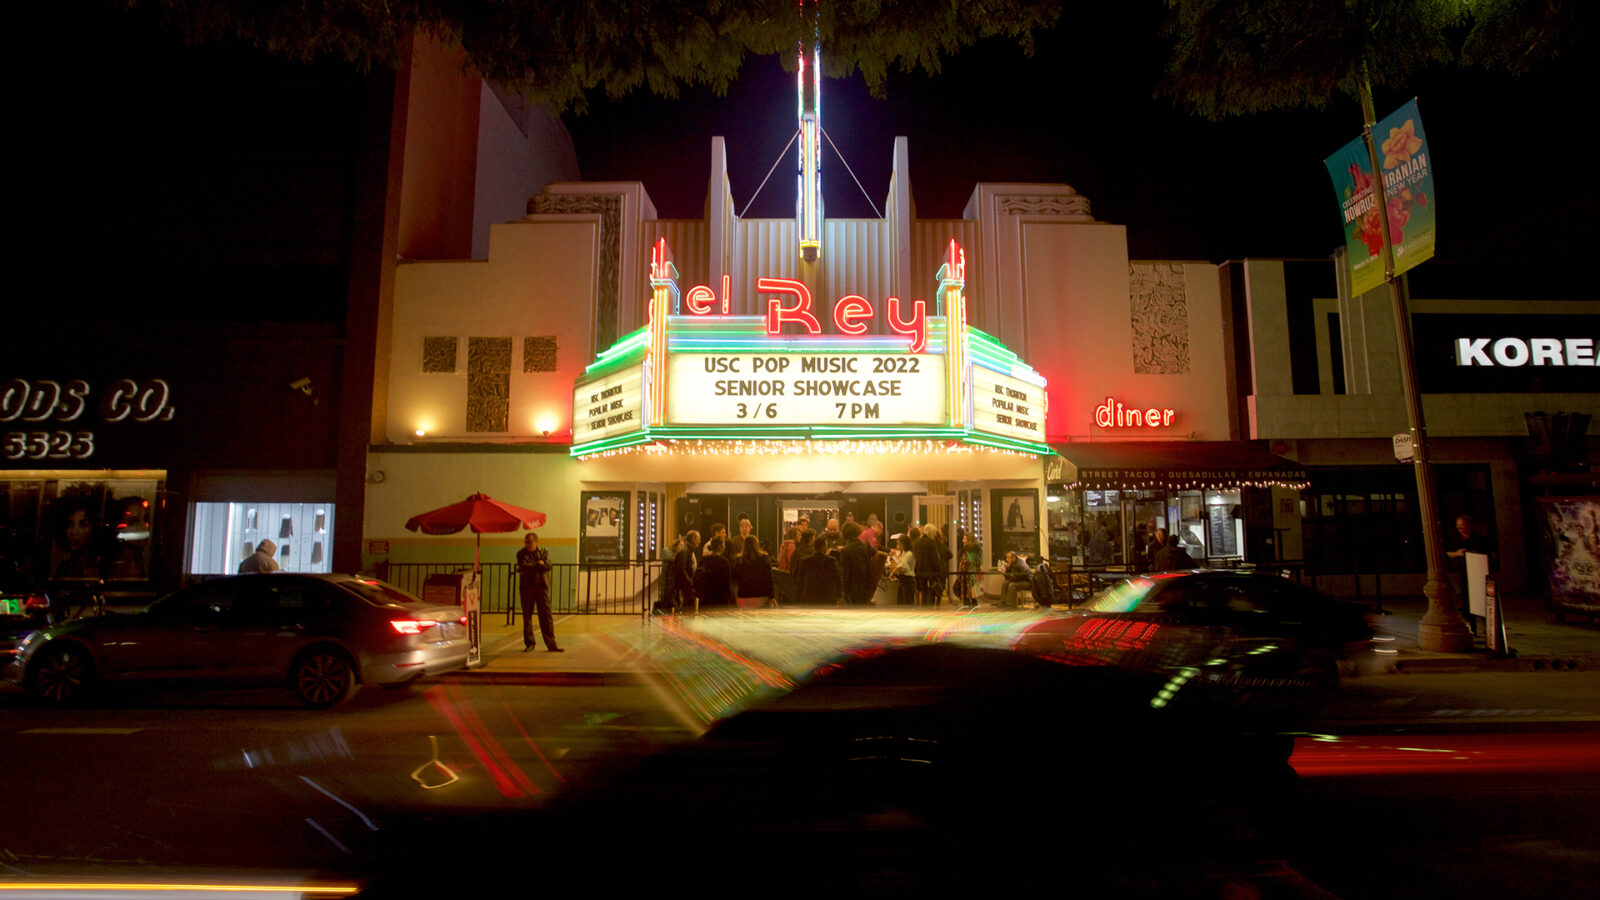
[[439, 355], [539, 354], [488, 383], [1160, 311]]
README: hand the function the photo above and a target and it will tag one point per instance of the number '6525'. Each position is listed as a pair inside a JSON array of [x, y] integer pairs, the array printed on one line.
[[47, 445]]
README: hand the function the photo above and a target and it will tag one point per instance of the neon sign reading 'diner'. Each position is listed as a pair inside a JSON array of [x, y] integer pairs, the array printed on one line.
[[1112, 414]]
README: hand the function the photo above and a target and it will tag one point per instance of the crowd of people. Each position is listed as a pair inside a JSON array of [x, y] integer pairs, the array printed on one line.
[[856, 564], [848, 563]]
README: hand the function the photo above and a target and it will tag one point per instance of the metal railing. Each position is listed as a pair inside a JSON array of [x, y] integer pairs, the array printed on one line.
[[607, 589]]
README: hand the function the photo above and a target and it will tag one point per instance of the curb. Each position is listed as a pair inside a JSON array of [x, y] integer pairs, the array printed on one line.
[[564, 679], [1537, 663]]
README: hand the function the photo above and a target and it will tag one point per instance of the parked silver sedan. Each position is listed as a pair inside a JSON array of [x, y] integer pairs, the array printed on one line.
[[321, 636]]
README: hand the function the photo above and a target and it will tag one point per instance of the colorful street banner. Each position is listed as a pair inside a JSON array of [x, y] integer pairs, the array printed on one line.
[[1408, 187]]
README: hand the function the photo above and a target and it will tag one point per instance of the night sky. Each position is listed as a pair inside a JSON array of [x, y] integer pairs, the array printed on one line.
[[1512, 181], [151, 180]]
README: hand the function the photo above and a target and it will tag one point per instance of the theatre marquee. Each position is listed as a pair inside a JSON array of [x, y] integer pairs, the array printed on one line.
[[699, 375]]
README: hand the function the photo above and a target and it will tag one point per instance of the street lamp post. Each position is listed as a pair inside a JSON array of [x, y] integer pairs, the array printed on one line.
[[1442, 627]]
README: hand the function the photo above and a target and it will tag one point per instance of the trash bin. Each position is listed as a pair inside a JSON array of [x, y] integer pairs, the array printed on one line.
[[442, 588]]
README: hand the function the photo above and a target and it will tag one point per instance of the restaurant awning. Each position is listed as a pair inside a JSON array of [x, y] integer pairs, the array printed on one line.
[[1171, 465]]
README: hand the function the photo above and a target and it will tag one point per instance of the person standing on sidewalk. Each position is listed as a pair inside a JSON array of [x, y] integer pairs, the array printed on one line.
[[533, 567], [859, 575], [1457, 546], [679, 580]]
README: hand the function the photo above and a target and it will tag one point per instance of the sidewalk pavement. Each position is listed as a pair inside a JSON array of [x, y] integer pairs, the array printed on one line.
[[614, 649]]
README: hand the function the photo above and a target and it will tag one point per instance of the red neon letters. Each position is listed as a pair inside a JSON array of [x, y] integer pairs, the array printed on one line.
[[916, 326], [777, 313], [1112, 414], [850, 314]]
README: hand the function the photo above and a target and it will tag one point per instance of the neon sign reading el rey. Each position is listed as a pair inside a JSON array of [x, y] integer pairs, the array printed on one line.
[[850, 313], [1113, 414]]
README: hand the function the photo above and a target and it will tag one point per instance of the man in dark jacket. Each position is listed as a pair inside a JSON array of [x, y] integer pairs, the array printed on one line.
[[818, 581], [1171, 557], [1018, 578], [855, 564], [533, 569], [680, 576], [930, 566]]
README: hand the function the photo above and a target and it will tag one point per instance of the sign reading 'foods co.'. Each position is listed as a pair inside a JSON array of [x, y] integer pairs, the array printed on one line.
[[53, 414]]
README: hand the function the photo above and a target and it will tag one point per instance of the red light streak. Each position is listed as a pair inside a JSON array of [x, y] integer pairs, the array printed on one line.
[[1451, 753], [447, 709], [527, 737]]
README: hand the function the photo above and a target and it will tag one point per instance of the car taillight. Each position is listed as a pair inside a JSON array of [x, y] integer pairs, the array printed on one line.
[[412, 626]]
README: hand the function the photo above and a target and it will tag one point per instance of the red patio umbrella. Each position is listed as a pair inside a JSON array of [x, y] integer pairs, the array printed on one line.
[[481, 513]]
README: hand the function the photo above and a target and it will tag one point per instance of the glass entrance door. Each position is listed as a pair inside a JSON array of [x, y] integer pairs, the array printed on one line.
[[1144, 512]]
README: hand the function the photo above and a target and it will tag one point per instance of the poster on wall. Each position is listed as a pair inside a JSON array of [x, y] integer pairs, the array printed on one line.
[[78, 529], [603, 535], [1572, 551], [1015, 516]]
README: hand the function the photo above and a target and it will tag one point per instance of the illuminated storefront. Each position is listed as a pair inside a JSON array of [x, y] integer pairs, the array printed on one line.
[[774, 399], [133, 468], [634, 377]]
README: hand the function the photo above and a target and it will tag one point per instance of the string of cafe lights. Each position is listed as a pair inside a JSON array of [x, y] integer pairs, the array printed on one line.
[[797, 447], [1154, 484]]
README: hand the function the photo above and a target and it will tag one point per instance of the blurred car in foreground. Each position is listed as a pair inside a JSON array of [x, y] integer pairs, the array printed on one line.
[[321, 636], [923, 770], [1242, 632]]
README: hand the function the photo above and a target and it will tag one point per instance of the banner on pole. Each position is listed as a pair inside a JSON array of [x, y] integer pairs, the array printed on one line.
[[1403, 155]]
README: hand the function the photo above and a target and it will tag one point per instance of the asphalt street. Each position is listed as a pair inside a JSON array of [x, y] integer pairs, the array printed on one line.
[[1457, 784], [248, 781]]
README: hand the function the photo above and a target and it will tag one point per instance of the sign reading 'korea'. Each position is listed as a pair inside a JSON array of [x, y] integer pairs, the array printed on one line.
[[1005, 405], [609, 406], [806, 389]]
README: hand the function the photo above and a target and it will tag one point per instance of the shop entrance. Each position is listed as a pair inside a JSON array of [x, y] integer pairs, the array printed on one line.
[[1145, 513]]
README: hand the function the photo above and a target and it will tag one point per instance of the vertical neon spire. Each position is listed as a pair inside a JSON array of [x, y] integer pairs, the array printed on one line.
[[952, 278], [808, 206], [663, 302]]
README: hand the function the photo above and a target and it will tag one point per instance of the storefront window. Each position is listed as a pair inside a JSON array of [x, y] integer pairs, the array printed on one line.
[[226, 534], [66, 527], [1102, 521], [1067, 540]]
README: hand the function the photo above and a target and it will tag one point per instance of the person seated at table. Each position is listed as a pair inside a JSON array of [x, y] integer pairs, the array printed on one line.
[[1018, 578]]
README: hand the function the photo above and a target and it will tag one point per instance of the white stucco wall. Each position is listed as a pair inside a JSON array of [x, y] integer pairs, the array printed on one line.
[[517, 156], [538, 280]]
